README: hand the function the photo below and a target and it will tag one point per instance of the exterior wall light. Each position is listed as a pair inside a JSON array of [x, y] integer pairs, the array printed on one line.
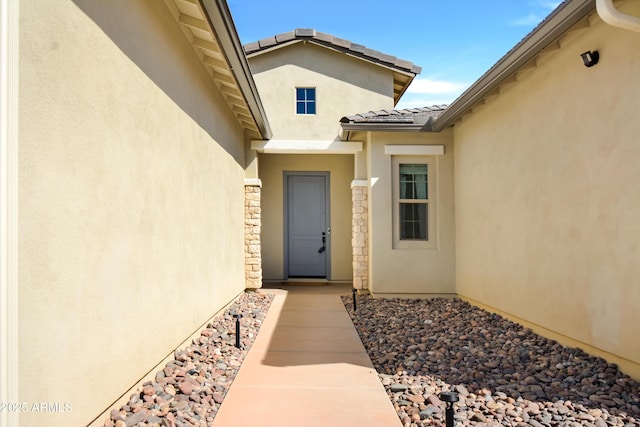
[[590, 58]]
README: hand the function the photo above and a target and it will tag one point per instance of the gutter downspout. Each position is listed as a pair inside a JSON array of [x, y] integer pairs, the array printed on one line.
[[609, 14]]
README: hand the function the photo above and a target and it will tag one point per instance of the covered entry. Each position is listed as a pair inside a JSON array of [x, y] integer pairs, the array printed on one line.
[[303, 196]]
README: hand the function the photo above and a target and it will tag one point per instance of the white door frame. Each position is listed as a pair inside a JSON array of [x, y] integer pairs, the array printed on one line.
[[9, 31], [285, 196]]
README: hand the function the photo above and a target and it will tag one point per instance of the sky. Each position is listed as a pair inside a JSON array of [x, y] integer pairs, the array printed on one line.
[[454, 41]]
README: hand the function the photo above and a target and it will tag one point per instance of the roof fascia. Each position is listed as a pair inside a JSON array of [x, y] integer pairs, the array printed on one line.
[[347, 129], [383, 127], [409, 74], [333, 48], [554, 26], [221, 21], [355, 51]]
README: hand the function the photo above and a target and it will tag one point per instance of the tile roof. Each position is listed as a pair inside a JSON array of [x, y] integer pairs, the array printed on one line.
[[342, 45], [410, 115]]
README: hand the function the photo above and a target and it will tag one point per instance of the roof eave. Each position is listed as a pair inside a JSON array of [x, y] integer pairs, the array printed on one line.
[[549, 31], [403, 71], [398, 95], [220, 17], [349, 128], [383, 127]]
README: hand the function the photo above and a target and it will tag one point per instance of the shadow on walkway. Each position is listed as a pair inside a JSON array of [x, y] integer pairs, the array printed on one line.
[[313, 328], [307, 367]]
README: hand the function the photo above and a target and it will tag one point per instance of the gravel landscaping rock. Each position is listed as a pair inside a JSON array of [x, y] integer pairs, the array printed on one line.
[[190, 389], [504, 373]]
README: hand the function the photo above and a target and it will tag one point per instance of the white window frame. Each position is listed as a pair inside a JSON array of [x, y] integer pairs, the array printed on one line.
[[315, 101], [432, 201]]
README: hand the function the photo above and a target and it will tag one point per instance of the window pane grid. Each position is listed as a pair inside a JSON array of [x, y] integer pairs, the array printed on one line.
[[305, 100], [413, 201], [413, 221], [413, 181]]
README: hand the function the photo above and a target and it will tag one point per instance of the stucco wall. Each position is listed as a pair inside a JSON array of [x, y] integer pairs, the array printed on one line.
[[410, 271], [547, 195], [344, 86], [130, 200], [340, 168]]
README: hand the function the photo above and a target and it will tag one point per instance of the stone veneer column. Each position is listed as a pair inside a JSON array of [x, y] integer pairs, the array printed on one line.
[[252, 229], [359, 233]]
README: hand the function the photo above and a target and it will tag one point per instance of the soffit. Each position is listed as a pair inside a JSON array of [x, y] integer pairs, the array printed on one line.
[[195, 24]]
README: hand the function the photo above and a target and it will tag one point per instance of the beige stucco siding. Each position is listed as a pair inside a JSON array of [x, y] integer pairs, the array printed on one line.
[[344, 86], [410, 271], [272, 168], [547, 195], [130, 200]]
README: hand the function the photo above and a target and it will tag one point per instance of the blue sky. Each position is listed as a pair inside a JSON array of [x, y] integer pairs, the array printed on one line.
[[454, 41]]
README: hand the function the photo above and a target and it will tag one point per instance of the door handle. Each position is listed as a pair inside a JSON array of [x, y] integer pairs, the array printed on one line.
[[324, 240]]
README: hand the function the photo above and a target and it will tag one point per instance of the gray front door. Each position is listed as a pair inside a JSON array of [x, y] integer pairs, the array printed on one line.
[[307, 224]]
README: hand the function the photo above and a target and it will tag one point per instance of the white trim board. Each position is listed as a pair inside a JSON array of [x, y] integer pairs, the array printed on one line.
[[414, 150], [252, 182], [9, 21], [296, 146], [359, 183]]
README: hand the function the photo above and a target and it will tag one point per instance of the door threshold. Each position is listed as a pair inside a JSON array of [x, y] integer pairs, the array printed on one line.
[[306, 281]]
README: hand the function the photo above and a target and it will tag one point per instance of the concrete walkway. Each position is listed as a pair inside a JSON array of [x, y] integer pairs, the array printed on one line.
[[308, 368]]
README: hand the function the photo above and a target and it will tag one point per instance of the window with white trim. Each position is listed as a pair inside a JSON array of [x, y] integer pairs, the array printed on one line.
[[414, 202]]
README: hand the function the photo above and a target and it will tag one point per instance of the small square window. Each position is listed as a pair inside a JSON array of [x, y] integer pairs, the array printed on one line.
[[305, 100]]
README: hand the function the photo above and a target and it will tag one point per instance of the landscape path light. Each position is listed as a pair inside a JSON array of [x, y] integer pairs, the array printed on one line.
[[237, 316], [449, 397]]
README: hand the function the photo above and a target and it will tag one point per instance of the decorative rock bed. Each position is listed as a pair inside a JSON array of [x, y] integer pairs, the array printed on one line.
[[504, 373], [190, 389]]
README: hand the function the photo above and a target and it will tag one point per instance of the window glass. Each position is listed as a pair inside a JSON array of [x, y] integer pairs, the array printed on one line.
[[415, 200], [311, 107], [305, 100], [413, 181], [413, 221]]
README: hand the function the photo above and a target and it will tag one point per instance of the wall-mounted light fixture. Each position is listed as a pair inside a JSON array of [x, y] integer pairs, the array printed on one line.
[[590, 58]]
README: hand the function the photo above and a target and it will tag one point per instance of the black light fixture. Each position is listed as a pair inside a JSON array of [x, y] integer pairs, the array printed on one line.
[[237, 316], [449, 397], [590, 58]]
